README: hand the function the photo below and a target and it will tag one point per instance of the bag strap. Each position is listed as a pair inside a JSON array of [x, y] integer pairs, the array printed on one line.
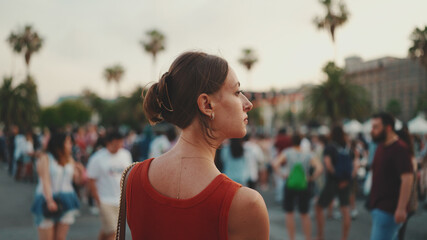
[[121, 221]]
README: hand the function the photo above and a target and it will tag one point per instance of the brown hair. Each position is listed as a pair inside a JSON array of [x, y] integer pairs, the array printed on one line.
[[174, 97], [338, 136]]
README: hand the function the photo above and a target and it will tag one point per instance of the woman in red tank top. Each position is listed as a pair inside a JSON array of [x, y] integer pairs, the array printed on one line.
[[181, 194]]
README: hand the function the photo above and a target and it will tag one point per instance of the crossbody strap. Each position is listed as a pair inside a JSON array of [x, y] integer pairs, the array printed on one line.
[[121, 222]]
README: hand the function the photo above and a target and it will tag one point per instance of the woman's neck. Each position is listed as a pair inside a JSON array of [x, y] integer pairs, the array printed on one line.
[[194, 144], [62, 159], [297, 147]]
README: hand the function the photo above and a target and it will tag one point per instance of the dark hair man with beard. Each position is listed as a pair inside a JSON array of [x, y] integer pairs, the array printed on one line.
[[391, 180]]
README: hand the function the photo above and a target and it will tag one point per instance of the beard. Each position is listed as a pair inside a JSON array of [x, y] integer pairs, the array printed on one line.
[[380, 137]]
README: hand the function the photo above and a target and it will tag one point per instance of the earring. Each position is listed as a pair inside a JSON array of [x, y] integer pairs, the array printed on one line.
[[212, 116]]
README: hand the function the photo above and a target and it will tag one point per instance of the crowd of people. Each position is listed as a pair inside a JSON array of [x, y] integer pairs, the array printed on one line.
[[258, 162], [71, 165], [390, 162], [184, 185]]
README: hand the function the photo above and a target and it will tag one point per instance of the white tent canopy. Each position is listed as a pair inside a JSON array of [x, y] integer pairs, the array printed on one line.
[[323, 130], [367, 126], [353, 127], [398, 124], [418, 125]]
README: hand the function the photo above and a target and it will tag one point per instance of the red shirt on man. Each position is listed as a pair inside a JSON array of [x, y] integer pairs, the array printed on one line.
[[390, 162]]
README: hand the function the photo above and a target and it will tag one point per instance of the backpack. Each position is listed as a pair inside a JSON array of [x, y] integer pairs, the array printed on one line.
[[296, 179], [344, 164]]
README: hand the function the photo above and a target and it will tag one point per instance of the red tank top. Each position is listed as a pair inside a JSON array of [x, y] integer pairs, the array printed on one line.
[[151, 215]]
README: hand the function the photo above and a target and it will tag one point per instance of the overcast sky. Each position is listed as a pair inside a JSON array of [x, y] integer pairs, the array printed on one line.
[[83, 37]]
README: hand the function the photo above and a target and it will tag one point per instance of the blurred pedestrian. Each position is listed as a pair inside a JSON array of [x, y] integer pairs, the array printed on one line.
[[357, 150], [392, 179], [4, 155], [145, 143], [24, 152], [159, 145], [299, 184], [104, 171], [10, 142], [413, 199], [254, 158], [235, 165], [339, 165], [55, 201], [282, 142]]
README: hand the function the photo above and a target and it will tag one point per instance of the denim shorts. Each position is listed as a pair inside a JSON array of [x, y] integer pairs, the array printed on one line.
[[383, 225]]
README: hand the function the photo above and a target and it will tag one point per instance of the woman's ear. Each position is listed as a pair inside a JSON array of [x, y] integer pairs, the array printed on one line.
[[205, 104]]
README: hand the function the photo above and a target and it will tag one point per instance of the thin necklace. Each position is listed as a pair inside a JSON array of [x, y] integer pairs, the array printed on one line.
[[180, 172], [179, 183], [188, 141], [204, 158], [195, 146]]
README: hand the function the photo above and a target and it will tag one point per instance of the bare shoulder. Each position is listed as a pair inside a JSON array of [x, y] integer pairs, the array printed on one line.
[[248, 216], [42, 163], [43, 159]]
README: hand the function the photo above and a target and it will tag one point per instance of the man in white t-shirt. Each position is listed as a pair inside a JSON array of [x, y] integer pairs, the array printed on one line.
[[159, 146], [104, 170], [254, 158]]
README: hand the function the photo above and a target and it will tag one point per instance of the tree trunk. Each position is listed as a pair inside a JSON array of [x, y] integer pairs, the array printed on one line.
[[249, 77], [335, 52], [153, 70], [27, 62], [118, 89]]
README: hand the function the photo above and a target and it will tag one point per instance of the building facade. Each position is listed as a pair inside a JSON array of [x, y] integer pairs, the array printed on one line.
[[388, 79]]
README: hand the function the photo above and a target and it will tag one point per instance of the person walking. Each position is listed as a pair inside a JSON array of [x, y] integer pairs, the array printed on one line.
[[392, 179], [281, 142], [104, 170], [413, 200], [254, 158], [236, 166], [181, 194], [299, 184], [55, 203], [338, 162]]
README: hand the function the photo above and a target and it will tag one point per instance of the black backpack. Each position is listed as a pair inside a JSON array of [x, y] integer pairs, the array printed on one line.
[[344, 164]]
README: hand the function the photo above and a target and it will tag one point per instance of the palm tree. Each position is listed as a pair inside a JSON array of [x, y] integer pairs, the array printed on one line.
[[336, 98], [154, 44], [19, 105], [30, 112], [248, 59], [7, 94], [393, 107], [27, 41], [419, 45], [333, 18], [114, 73]]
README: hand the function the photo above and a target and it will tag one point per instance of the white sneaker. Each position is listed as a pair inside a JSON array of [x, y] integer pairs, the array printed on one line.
[[336, 215], [77, 213], [354, 213], [94, 210]]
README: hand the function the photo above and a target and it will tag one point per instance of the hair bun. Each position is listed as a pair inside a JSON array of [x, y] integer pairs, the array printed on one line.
[[174, 97], [151, 106]]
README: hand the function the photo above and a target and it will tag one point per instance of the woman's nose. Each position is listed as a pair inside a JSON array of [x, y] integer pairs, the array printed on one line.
[[247, 105]]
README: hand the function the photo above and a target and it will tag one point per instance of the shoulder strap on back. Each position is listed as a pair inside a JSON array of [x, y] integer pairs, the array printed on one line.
[[121, 222]]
